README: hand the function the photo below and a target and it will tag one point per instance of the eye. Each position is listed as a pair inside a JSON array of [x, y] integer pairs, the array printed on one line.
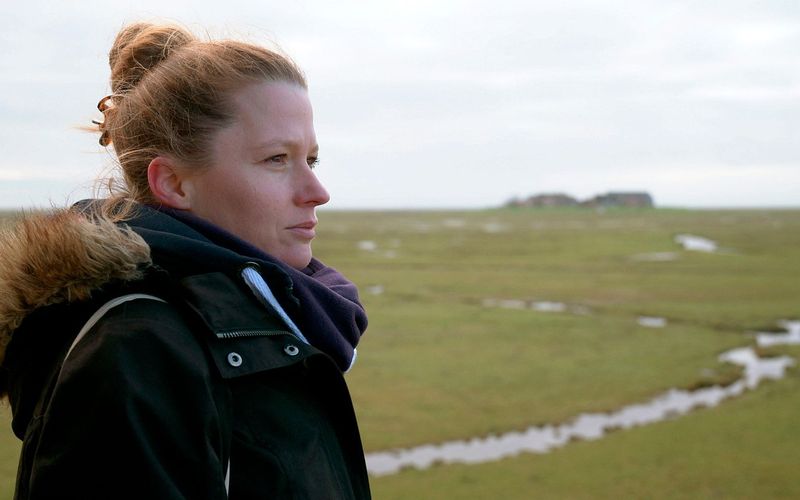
[[312, 161], [277, 159]]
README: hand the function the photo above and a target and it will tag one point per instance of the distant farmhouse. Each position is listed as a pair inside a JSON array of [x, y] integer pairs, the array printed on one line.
[[545, 200], [621, 199], [633, 200]]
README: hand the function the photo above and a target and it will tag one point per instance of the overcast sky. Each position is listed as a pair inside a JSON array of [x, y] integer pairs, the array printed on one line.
[[455, 103]]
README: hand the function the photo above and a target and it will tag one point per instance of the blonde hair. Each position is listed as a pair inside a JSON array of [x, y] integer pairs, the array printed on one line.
[[170, 93]]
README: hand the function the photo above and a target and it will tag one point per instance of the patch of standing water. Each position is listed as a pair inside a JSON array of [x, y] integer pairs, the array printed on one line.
[[495, 227], [454, 223], [792, 335], [696, 243], [655, 257], [546, 306], [591, 426], [537, 305], [651, 321], [504, 303]]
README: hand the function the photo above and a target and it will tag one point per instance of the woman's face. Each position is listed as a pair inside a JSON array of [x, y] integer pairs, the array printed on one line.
[[260, 185]]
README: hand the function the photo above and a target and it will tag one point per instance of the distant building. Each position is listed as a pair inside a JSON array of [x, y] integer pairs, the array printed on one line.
[[630, 200], [619, 199], [544, 200]]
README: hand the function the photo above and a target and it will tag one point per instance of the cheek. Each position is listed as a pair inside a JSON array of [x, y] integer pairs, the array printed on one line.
[[208, 188], [219, 198], [266, 195], [254, 211], [250, 206]]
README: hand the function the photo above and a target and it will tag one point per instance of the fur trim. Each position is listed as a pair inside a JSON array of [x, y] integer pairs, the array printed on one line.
[[61, 256]]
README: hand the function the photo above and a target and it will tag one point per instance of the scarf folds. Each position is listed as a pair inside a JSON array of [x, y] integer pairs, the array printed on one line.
[[322, 303]]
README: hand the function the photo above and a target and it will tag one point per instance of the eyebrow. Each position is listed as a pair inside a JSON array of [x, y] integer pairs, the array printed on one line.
[[287, 143]]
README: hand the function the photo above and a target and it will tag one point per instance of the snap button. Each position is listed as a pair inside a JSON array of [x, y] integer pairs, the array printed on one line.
[[234, 359], [291, 350]]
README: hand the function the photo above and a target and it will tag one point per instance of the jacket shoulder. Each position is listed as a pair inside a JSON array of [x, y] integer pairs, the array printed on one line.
[[137, 385], [59, 257]]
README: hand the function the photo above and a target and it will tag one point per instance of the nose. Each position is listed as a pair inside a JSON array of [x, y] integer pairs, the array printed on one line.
[[310, 190]]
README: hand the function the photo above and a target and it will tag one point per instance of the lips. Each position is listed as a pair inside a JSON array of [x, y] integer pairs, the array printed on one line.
[[305, 225], [304, 229]]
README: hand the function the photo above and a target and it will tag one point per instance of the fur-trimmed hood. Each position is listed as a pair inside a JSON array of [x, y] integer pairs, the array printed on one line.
[[61, 256]]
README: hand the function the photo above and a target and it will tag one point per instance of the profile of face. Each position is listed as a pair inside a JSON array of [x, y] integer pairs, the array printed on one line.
[[260, 185]]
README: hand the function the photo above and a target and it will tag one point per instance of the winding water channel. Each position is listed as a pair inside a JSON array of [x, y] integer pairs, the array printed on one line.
[[590, 426]]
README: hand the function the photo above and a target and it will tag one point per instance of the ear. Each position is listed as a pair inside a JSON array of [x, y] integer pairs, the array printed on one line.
[[166, 183]]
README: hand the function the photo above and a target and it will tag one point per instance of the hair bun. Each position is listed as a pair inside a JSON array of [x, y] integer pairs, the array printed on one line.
[[139, 48]]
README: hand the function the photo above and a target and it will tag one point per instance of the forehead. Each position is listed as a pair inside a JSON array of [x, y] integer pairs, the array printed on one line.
[[272, 105], [266, 114]]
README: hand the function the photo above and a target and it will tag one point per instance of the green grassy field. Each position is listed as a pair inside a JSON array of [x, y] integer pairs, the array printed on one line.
[[438, 365]]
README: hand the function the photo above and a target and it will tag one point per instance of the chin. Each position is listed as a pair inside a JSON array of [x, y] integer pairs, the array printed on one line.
[[298, 260], [300, 265]]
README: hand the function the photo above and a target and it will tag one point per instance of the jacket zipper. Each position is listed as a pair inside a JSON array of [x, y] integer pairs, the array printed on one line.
[[235, 334]]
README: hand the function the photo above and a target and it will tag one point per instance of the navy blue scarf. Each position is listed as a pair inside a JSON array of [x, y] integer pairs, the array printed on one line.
[[322, 303]]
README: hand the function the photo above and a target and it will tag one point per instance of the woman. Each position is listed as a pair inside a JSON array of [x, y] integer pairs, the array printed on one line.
[[178, 340]]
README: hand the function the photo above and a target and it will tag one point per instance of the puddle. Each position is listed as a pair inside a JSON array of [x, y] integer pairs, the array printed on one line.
[[545, 306], [696, 243], [367, 245], [505, 303], [495, 227], [591, 426], [651, 321], [757, 369], [454, 223], [655, 257], [537, 305], [791, 337]]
